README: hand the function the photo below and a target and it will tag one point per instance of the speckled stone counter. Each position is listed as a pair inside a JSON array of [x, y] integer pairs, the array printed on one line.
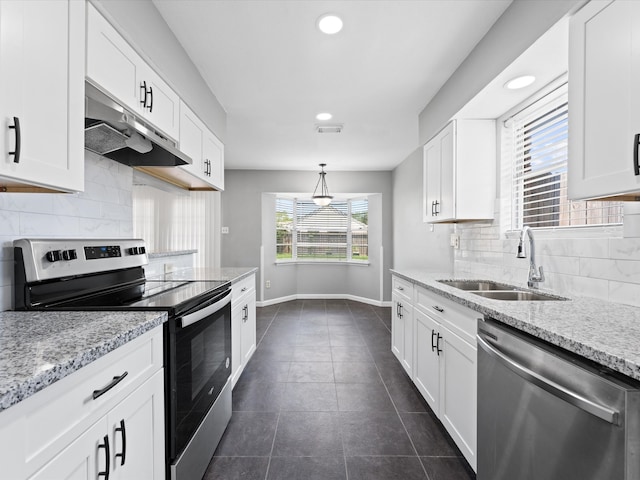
[[40, 348], [605, 332], [227, 274]]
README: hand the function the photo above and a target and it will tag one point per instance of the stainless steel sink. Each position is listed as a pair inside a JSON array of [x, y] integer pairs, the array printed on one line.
[[500, 291], [518, 296], [482, 285]]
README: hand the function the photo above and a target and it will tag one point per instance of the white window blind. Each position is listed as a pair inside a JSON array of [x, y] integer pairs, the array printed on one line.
[[538, 138], [170, 223], [336, 232]]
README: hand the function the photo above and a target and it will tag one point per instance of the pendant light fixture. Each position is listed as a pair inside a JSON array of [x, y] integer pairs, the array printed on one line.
[[322, 198]]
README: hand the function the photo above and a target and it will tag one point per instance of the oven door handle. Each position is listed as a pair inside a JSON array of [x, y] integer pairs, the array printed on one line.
[[195, 317]]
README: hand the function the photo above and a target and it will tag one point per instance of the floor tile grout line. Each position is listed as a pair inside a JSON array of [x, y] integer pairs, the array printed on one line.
[[398, 413]]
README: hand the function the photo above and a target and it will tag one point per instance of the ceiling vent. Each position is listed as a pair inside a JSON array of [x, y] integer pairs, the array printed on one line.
[[329, 128]]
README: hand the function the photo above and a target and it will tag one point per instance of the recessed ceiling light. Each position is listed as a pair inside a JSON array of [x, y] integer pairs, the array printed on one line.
[[520, 82], [330, 24], [324, 116]]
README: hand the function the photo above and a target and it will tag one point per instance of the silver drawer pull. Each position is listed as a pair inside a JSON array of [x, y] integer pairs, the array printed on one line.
[[437, 308]]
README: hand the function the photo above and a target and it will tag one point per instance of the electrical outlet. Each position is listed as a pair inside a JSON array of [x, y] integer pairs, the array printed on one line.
[[454, 240], [225, 230], [267, 284]]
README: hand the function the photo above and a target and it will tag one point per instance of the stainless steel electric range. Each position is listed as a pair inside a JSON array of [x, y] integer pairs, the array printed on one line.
[[108, 274]]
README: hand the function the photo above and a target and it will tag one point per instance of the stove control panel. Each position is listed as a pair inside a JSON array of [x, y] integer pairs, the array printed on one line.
[[109, 251], [46, 259]]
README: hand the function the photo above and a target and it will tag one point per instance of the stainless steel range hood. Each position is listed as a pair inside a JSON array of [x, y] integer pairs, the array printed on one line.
[[113, 131]]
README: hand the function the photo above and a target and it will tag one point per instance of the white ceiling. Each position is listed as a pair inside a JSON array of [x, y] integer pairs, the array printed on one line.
[[273, 71]]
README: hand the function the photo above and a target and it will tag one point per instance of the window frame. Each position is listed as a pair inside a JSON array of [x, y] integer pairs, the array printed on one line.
[[348, 260], [512, 215]]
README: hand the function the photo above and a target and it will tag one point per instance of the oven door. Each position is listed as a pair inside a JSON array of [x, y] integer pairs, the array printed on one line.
[[197, 368]]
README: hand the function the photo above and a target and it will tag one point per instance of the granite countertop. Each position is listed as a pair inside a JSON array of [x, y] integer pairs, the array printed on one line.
[[227, 274], [607, 333], [40, 348]]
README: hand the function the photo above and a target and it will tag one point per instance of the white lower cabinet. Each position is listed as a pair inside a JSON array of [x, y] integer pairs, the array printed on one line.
[[402, 323], [81, 459], [66, 431], [427, 368], [128, 442], [243, 325], [444, 360]]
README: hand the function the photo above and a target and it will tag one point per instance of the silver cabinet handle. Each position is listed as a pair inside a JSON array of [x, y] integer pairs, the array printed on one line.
[[560, 391]]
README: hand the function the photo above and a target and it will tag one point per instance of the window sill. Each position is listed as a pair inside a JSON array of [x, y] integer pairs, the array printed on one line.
[[575, 231], [323, 262]]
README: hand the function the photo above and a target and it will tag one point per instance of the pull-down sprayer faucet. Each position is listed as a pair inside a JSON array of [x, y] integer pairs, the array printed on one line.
[[535, 273]]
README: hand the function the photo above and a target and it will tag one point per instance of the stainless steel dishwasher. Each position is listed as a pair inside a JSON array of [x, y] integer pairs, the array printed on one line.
[[546, 414]]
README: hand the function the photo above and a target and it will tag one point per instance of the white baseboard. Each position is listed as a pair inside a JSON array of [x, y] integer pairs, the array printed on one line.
[[321, 296]]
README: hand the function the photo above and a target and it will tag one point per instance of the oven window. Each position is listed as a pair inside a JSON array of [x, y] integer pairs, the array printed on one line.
[[198, 370], [207, 353]]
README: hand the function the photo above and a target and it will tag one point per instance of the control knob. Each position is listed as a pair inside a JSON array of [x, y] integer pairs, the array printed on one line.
[[133, 251], [69, 255], [54, 255]]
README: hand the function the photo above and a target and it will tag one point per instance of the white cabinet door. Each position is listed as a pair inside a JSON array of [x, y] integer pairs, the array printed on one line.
[[459, 166], [42, 88], [236, 343], [115, 67], [402, 332], [431, 178], [162, 105], [191, 140], [426, 374], [248, 333], [81, 460], [458, 387], [213, 155], [604, 122], [111, 62], [447, 208], [137, 432]]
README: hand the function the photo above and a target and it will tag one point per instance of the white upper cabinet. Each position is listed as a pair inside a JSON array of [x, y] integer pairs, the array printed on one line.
[[115, 67], [204, 148], [459, 172], [604, 121], [42, 95]]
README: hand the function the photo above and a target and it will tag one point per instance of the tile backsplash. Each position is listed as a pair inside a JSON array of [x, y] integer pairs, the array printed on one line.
[[603, 263], [104, 209]]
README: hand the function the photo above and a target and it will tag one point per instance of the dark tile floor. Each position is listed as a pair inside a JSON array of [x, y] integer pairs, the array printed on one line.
[[324, 398]]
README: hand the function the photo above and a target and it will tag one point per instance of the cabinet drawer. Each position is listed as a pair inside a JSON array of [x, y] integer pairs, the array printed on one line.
[[402, 288], [55, 416], [460, 320], [242, 288]]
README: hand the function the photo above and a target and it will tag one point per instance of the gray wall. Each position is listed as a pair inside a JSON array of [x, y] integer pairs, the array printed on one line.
[[144, 28], [515, 31], [416, 244], [247, 206]]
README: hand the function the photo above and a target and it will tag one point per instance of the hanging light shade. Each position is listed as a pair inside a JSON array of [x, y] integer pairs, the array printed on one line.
[[322, 197]]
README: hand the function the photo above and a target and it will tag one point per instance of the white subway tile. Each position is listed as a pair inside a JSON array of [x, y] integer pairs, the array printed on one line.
[[617, 270], [6, 297], [624, 248], [10, 222], [628, 293], [39, 225], [96, 228], [631, 226]]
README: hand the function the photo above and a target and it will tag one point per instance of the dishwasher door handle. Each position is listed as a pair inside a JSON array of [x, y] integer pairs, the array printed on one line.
[[607, 414]]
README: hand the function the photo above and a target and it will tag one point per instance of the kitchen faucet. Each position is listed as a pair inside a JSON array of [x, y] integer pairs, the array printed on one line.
[[535, 273]]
